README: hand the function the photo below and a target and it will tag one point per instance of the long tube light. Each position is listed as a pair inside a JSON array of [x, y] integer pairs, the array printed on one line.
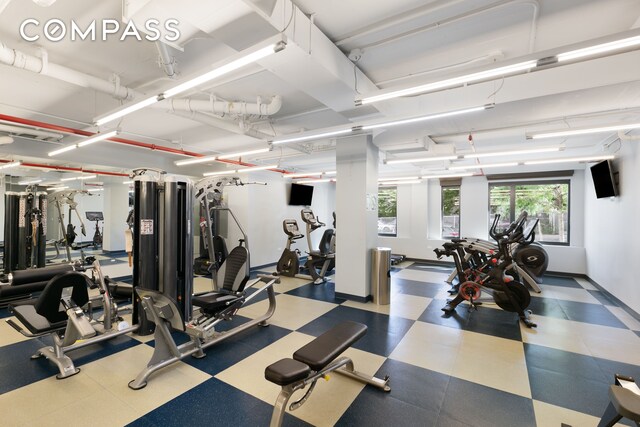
[[245, 57], [452, 82], [571, 160], [251, 169], [34, 181], [219, 157], [520, 67], [444, 176], [127, 182], [421, 159], [317, 181], [74, 178], [97, 138], [365, 127], [10, 165], [302, 174], [62, 150], [490, 165], [330, 173], [57, 188], [574, 132], [91, 190], [511, 153]]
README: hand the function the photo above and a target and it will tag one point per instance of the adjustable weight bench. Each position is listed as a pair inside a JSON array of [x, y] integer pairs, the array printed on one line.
[[314, 361], [625, 402]]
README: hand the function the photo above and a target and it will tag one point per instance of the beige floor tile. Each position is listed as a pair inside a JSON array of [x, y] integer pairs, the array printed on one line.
[[555, 333], [494, 362], [41, 398], [585, 284], [629, 321], [290, 283], [404, 264], [104, 409], [617, 344], [550, 415], [117, 270], [329, 399], [291, 312], [568, 294], [402, 305], [8, 335], [429, 346], [114, 373]]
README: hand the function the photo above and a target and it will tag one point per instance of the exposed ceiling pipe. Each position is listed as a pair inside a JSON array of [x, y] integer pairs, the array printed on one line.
[[41, 65], [226, 107], [624, 137], [20, 130], [166, 60], [223, 124], [130, 142], [463, 16], [4, 4], [66, 168]]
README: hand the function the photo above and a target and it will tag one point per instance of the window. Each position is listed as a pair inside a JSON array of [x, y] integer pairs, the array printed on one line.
[[547, 201], [387, 217], [450, 211]]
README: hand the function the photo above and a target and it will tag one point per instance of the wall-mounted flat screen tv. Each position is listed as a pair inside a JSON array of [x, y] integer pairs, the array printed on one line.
[[301, 195], [603, 181]]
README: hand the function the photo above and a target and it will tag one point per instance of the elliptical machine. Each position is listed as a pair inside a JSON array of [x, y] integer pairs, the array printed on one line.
[[289, 262], [319, 261]]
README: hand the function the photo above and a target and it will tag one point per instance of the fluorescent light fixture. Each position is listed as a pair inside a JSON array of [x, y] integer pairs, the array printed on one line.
[[74, 178], [244, 59], [421, 159], [312, 136], [599, 49], [405, 178], [451, 175], [10, 165], [511, 153], [414, 181], [257, 168], [35, 181], [573, 132], [127, 110], [452, 82], [250, 169], [425, 118], [316, 181], [128, 182], [97, 137], [302, 174], [571, 160], [219, 157], [62, 150], [91, 190], [490, 165], [57, 188], [330, 173]]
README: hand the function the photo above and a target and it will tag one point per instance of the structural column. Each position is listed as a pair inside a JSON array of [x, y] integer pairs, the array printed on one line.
[[116, 209], [357, 215]]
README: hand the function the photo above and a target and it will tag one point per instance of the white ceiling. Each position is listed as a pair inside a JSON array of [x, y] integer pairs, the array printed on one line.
[[398, 43]]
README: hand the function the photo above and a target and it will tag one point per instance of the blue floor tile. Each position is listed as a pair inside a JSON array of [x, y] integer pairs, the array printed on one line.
[[567, 282], [323, 292], [467, 403], [548, 307], [413, 287], [423, 267], [567, 379], [383, 335], [498, 323], [590, 313], [214, 403], [637, 333], [602, 297]]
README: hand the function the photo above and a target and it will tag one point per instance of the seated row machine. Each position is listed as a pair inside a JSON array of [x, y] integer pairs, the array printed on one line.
[[313, 362], [64, 311]]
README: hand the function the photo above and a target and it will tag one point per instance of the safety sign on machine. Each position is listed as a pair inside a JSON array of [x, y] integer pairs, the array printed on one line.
[[146, 226]]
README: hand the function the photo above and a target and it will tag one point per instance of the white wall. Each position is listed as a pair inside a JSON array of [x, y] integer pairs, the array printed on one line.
[[611, 230], [95, 202], [116, 209], [261, 210], [419, 216]]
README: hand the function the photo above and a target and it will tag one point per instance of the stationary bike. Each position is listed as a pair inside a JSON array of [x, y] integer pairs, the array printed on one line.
[[289, 262]]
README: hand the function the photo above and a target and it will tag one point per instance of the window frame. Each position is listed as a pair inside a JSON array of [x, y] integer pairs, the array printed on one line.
[[512, 202], [395, 188], [442, 188]]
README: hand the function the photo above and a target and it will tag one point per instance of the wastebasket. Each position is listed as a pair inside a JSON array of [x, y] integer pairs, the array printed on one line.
[[381, 275]]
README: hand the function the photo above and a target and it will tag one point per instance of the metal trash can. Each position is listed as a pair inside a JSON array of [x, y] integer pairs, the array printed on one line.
[[381, 275]]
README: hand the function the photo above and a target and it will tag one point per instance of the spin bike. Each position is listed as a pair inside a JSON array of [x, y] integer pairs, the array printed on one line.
[[508, 293]]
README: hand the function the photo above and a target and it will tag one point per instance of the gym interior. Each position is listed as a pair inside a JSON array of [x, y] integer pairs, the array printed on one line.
[[212, 207]]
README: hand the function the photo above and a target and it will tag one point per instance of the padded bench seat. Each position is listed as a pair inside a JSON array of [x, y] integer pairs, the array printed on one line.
[[35, 323], [324, 349], [286, 371]]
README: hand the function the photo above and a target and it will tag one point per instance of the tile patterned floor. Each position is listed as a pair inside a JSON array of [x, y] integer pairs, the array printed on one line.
[[479, 368]]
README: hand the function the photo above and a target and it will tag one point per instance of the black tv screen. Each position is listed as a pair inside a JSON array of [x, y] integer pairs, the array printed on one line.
[[301, 195], [603, 182]]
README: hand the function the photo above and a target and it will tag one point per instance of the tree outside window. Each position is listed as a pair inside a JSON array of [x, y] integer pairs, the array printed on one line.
[[450, 212], [387, 211]]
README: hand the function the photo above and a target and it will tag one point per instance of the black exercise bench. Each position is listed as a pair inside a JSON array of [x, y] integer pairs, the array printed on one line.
[[314, 361]]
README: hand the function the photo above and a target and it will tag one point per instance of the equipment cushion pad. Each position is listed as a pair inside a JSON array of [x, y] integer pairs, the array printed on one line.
[[286, 371], [36, 324], [324, 349]]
